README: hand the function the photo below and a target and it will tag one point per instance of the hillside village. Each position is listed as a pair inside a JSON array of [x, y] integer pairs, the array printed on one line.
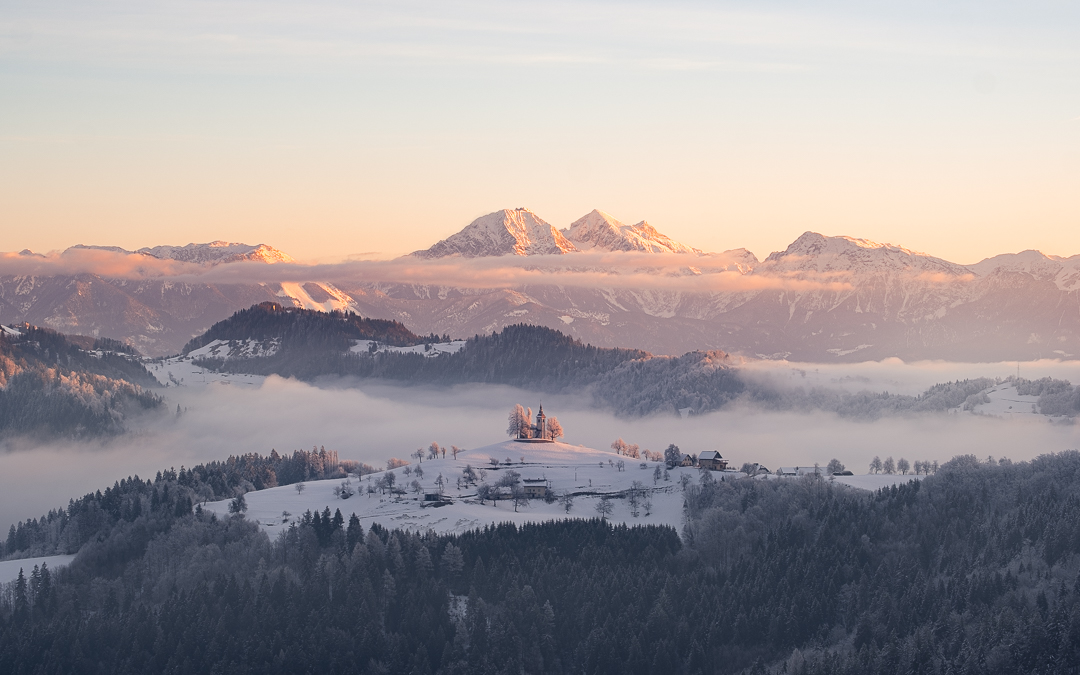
[[534, 476]]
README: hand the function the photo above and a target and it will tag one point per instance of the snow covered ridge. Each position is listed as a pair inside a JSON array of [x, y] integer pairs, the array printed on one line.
[[211, 253]]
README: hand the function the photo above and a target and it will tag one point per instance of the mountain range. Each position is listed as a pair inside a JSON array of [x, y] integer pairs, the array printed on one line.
[[822, 299]]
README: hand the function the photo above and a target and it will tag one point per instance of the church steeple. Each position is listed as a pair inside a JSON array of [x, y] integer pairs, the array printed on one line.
[[541, 422]]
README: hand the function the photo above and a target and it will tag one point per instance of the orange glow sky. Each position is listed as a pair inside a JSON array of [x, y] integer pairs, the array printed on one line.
[[332, 129]]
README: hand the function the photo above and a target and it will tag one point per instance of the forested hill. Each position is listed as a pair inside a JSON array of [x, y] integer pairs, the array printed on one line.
[[305, 328], [52, 384], [971, 570], [520, 355]]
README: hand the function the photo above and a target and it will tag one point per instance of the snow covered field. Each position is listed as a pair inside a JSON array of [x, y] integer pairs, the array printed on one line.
[[437, 348], [182, 371], [1005, 402], [9, 569], [589, 474]]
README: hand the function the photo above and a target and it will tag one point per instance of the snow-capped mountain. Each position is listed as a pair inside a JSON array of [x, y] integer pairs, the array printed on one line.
[[157, 317], [598, 230], [212, 253], [1064, 272], [813, 252], [507, 232], [218, 252], [858, 300], [823, 298]]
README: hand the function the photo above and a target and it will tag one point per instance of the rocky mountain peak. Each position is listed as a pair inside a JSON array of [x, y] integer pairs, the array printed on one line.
[[506, 232], [599, 230]]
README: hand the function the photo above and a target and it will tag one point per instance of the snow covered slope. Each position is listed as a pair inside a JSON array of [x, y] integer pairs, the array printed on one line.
[[589, 475], [432, 349], [9, 569], [323, 297], [507, 232]]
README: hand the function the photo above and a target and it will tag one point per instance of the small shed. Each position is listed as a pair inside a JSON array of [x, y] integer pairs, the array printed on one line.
[[687, 460]]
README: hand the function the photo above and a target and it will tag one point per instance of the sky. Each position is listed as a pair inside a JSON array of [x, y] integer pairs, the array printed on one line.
[[370, 129]]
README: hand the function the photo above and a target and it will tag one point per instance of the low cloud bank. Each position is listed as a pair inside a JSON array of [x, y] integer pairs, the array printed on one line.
[[899, 377], [677, 272], [372, 423]]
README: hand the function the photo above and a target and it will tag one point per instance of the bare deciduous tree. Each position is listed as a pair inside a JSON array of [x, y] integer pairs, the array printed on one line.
[[604, 507]]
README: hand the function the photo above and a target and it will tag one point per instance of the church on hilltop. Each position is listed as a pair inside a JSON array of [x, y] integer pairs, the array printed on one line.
[[546, 429]]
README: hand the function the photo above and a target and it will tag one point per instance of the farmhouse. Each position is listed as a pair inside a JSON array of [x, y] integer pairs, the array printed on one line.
[[535, 488], [712, 460], [687, 460]]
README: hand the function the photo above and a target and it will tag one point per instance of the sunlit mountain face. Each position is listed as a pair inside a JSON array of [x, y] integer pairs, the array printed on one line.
[[821, 299]]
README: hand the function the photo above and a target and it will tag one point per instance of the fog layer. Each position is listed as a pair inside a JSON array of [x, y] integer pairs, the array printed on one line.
[[373, 422]]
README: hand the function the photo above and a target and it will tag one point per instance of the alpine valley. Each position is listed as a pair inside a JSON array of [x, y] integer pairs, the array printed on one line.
[[822, 299]]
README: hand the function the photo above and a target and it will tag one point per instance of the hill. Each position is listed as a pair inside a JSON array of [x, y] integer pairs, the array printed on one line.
[[56, 385], [298, 328]]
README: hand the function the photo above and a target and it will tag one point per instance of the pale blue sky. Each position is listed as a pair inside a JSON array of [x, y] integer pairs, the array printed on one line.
[[329, 129]]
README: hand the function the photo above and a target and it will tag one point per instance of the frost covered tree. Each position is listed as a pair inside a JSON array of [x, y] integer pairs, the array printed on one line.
[[238, 505], [468, 475], [902, 466], [875, 465], [619, 446], [519, 497], [433, 451], [834, 466], [555, 430], [566, 500], [483, 493], [300, 487], [889, 466], [519, 426], [454, 450], [672, 456]]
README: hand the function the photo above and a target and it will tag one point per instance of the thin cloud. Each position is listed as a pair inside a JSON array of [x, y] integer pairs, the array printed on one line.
[[689, 273]]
